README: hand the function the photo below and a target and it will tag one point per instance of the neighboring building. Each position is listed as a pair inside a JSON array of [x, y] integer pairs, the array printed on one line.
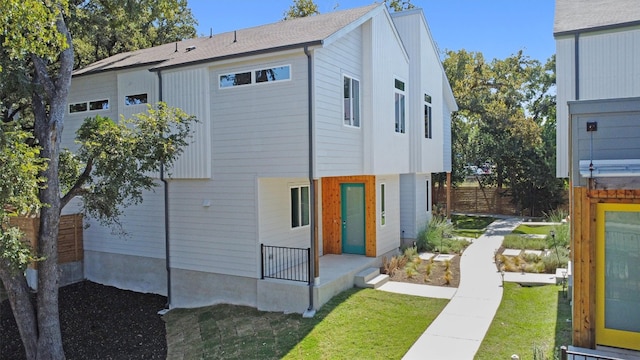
[[320, 132], [598, 81]]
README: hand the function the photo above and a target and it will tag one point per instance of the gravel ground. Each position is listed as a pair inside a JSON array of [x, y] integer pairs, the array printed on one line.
[[99, 322]]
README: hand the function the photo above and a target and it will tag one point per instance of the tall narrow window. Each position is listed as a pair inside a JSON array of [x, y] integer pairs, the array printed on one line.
[[299, 206], [351, 102], [383, 206], [399, 106], [427, 117], [427, 192]]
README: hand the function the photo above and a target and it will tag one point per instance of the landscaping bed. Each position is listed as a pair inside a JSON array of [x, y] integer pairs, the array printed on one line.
[[428, 272]]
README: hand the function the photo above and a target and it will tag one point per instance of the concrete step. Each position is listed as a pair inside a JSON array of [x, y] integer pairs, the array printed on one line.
[[370, 278]]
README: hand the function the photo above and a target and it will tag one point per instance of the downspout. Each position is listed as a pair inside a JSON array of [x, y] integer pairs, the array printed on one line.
[[312, 203], [167, 248]]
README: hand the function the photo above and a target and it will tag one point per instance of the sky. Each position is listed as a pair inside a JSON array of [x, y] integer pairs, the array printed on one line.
[[497, 28]]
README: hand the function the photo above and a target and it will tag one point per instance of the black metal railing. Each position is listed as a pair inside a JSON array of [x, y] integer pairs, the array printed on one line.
[[286, 263], [574, 354]]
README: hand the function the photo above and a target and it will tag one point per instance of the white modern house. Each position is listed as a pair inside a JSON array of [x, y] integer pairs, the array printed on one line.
[[311, 161], [598, 138]]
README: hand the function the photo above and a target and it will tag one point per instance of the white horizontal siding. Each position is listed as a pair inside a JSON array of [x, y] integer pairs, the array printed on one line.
[[388, 236], [275, 214], [133, 82], [84, 89], [189, 91], [339, 149], [261, 129], [142, 224]]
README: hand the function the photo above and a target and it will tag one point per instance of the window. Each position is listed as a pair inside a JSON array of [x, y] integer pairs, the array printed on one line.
[[399, 106], [135, 99], [99, 105], [299, 206], [351, 102], [383, 206], [77, 107], [428, 205], [89, 106], [427, 117], [278, 73]]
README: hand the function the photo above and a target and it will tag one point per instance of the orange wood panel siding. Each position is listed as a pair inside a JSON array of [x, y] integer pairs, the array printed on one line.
[[583, 227], [332, 217]]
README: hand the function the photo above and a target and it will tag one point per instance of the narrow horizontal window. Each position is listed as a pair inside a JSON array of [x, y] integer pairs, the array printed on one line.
[[99, 105], [77, 107], [135, 99], [274, 74], [237, 79]]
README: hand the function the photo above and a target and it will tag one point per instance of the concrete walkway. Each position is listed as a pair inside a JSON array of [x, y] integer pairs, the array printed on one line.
[[459, 329]]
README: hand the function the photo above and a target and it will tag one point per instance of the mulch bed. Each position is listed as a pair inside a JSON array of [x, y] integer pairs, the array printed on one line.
[[436, 277], [99, 322]]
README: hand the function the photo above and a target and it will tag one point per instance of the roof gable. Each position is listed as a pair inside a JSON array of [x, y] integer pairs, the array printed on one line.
[[311, 30], [572, 16]]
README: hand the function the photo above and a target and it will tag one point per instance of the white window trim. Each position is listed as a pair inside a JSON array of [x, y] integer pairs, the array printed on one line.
[[299, 187], [383, 205], [350, 125], [253, 77], [402, 127], [88, 107]]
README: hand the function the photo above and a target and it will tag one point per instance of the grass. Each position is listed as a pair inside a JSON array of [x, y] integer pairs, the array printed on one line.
[[513, 241], [533, 229], [471, 222], [357, 323], [528, 318]]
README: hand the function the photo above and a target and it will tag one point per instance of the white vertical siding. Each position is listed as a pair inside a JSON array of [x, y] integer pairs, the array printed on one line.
[[134, 82], [447, 151], [339, 149], [565, 80], [413, 203], [188, 89], [388, 236], [610, 64]]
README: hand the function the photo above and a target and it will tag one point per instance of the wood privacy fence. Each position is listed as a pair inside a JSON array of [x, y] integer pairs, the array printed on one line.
[[70, 246]]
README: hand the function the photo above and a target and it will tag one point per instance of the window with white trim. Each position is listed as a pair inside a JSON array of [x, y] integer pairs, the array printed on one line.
[[427, 117], [277, 73], [94, 105], [351, 109], [399, 106], [136, 99], [383, 205], [299, 206]]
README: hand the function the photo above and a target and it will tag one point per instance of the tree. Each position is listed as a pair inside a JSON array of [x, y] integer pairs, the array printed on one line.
[[301, 8], [102, 28], [38, 43], [505, 108], [399, 5]]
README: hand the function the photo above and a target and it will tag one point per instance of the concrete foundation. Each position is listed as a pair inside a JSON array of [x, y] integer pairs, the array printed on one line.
[[136, 273], [195, 288]]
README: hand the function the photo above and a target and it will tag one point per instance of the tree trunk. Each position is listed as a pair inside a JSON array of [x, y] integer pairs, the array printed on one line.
[[18, 292], [49, 110]]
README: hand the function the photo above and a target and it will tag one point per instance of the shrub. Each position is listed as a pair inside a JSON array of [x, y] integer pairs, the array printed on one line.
[[447, 277], [551, 260], [411, 271], [411, 252], [433, 235]]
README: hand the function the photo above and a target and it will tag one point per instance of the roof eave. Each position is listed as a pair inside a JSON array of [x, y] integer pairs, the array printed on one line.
[[597, 28], [238, 55], [103, 70]]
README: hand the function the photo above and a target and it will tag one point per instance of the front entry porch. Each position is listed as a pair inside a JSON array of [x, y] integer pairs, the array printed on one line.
[[337, 273]]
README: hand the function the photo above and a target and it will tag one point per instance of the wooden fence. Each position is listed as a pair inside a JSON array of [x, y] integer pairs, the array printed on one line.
[[70, 247]]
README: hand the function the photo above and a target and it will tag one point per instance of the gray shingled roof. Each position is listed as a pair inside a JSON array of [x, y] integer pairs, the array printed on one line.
[[580, 15], [310, 30]]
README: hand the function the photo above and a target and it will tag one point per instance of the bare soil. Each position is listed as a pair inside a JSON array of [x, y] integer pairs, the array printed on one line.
[[435, 278], [98, 322]]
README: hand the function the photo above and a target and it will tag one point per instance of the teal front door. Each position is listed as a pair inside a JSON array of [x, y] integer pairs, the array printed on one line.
[[353, 218]]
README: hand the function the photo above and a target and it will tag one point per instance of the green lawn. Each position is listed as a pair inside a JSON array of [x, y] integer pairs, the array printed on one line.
[[358, 323], [529, 318], [533, 229], [470, 226]]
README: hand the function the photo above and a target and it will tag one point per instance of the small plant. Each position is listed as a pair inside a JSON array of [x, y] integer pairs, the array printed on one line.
[[447, 277], [428, 268], [410, 272], [411, 252], [447, 265], [390, 266]]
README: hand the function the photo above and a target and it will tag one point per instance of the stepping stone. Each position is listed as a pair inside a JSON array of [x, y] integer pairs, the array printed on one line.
[[426, 256], [511, 252], [533, 252], [443, 257]]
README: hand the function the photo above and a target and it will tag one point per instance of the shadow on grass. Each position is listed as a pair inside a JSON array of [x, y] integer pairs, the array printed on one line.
[[354, 324], [563, 321]]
